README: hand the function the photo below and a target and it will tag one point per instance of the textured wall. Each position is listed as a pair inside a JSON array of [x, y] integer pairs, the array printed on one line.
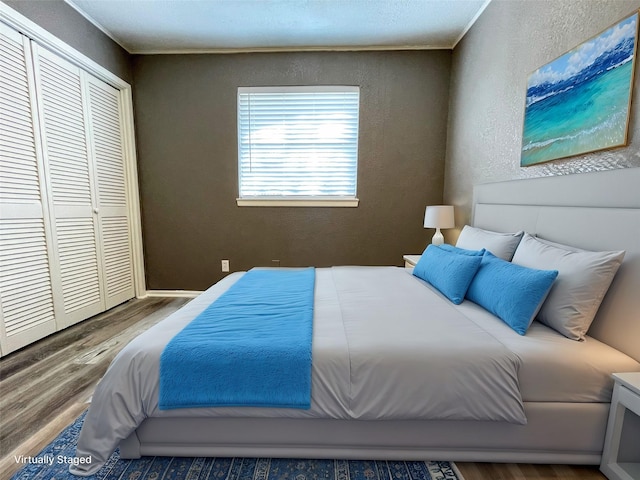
[[185, 108], [490, 68], [68, 25]]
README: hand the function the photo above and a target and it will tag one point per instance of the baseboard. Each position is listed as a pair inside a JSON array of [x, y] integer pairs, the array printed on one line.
[[173, 293]]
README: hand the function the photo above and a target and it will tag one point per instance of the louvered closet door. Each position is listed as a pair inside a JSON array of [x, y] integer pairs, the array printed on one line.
[[70, 179], [108, 159], [26, 292]]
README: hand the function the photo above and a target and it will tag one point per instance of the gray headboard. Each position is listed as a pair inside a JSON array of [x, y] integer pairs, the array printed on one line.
[[594, 211]]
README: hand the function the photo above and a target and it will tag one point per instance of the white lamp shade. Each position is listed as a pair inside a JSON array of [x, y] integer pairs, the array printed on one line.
[[439, 216]]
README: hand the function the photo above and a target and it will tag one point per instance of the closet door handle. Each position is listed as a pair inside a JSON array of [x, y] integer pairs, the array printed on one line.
[[95, 210]]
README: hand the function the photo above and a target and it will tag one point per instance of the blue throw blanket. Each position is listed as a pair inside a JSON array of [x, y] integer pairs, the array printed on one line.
[[251, 347]]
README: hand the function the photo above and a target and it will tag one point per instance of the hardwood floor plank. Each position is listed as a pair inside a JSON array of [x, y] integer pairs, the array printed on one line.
[[36, 442], [512, 471], [45, 386]]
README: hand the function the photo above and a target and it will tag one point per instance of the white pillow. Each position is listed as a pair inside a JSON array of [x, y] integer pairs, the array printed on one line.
[[583, 279], [502, 245]]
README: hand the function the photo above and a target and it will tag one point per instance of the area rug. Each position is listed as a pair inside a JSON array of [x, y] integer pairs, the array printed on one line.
[[52, 463]]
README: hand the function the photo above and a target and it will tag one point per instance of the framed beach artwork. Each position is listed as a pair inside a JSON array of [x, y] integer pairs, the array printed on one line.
[[581, 101]]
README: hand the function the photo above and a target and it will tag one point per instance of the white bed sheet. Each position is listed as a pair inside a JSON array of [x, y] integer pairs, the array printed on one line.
[[555, 368], [385, 347]]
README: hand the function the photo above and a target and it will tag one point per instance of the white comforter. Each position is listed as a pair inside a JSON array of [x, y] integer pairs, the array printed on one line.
[[385, 346]]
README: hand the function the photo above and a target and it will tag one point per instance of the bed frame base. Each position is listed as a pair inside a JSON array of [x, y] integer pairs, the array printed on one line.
[[565, 433]]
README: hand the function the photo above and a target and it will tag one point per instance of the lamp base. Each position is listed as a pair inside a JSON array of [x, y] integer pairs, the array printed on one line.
[[438, 238]]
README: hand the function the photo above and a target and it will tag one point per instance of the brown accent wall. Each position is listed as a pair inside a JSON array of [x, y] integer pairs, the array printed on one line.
[[68, 25], [185, 112]]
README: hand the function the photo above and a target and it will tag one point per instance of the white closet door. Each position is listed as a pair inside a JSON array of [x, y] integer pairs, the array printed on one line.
[[70, 179], [108, 158], [26, 292]]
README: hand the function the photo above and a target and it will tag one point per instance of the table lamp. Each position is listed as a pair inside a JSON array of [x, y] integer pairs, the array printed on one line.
[[438, 216]]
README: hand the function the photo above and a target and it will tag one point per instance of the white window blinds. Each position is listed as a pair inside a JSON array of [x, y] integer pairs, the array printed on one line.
[[298, 142]]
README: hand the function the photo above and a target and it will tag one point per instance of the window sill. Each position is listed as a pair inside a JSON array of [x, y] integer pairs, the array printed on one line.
[[297, 202]]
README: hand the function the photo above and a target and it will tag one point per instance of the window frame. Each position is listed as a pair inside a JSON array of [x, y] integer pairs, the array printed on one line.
[[296, 200]]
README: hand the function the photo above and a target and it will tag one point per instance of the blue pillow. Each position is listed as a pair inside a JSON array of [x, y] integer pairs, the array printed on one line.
[[512, 292], [462, 251], [449, 272]]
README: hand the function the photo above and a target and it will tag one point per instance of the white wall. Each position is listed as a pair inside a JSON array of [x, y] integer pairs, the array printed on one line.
[[510, 40]]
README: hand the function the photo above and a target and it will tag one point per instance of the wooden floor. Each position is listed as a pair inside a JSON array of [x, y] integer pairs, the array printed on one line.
[[46, 385]]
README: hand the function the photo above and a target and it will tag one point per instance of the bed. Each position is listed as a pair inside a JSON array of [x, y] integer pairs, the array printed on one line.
[[362, 407]]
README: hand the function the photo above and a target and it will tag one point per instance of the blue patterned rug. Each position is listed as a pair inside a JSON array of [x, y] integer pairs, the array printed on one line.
[[52, 463]]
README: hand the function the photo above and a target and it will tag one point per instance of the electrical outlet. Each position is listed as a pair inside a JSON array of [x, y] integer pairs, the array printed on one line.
[[275, 263], [225, 265]]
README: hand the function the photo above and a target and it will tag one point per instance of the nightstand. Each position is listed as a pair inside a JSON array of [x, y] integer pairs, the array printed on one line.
[[621, 455], [411, 260]]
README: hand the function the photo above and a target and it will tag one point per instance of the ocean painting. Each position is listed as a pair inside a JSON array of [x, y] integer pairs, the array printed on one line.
[[580, 102]]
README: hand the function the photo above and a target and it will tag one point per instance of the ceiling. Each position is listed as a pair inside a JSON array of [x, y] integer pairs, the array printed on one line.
[[191, 26]]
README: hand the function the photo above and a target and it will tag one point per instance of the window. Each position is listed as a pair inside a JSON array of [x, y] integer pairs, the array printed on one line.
[[298, 145]]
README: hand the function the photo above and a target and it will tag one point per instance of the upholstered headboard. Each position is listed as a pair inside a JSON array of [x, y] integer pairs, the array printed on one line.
[[594, 211]]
